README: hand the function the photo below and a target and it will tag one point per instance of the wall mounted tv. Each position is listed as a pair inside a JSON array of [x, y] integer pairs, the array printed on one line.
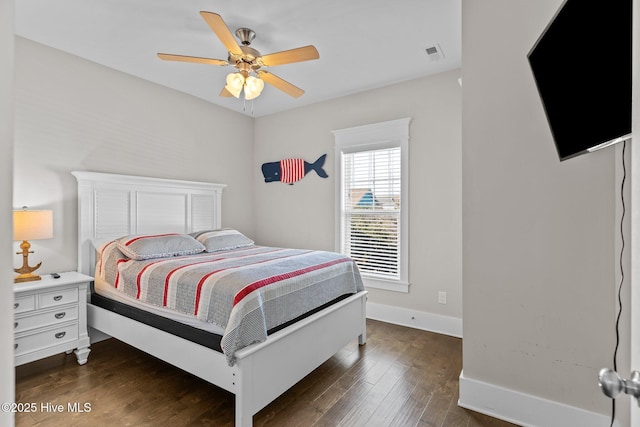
[[582, 68]]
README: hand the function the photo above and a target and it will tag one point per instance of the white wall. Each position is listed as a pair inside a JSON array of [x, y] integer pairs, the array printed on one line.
[[302, 215], [73, 114], [538, 235], [6, 218]]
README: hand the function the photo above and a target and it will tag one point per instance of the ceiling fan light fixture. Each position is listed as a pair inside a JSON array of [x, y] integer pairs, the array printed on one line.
[[235, 83], [252, 87]]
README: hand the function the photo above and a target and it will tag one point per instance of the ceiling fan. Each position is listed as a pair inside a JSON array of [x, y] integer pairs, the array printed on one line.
[[248, 61]]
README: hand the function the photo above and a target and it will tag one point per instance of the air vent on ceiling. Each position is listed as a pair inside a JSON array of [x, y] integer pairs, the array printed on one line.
[[434, 52]]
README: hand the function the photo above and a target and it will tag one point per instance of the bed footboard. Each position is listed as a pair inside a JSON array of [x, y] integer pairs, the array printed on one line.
[[269, 369]]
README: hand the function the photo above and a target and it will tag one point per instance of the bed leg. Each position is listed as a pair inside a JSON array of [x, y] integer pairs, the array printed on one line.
[[362, 338], [244, 417], [244, 395]]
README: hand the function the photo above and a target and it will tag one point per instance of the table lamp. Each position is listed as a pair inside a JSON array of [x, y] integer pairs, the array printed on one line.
[[30, 225]]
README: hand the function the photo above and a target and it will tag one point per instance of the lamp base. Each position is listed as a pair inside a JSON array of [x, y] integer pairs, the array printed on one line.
[[26, 278], [26, 272]]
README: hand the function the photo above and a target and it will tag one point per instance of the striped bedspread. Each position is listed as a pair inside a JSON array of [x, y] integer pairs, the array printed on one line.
[[245, 291]]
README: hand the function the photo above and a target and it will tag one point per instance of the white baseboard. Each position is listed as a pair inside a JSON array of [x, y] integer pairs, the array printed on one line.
[[446, 325], [524, 409]]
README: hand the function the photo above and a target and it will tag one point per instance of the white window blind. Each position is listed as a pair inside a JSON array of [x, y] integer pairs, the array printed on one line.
[[372, 184], [372, 222]]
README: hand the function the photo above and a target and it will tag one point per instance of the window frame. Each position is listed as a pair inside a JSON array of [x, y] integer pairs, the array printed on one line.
[[383, 135]]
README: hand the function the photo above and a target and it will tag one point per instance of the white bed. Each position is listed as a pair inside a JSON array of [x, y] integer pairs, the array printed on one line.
[[110, 206]]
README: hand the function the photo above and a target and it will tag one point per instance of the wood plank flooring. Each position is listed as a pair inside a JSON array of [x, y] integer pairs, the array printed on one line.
[[401, 377]]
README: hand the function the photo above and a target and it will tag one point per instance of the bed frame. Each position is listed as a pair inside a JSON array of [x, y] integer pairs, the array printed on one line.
[[111, 206]]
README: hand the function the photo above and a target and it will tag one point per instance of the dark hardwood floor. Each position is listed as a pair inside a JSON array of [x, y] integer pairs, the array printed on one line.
[[401, 377]]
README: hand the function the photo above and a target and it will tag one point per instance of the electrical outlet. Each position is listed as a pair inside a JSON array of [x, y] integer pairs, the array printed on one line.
[[442, 297]]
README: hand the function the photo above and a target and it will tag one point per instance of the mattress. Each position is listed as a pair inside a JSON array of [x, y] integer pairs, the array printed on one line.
[[102, 288], [199, 336]]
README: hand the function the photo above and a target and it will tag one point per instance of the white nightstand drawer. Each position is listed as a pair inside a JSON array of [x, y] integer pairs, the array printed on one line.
[[22, 304], [49, 318], [51, 299], [51, 337]]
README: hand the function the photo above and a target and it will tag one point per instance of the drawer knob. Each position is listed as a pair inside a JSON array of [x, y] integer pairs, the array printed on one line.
[[59, 315], [60, 334], [15, 325], [57, 298], [16, 305], [15, 346]]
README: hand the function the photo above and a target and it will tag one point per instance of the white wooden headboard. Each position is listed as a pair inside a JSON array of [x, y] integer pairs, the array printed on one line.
[[111, 206]]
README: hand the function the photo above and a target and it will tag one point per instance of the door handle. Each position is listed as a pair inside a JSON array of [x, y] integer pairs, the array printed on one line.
[[612, 385]]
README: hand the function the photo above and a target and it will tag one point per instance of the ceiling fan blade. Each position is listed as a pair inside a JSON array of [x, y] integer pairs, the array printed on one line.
[[224, 92], [216, 23], [281, 84], [184, 58], [300, 54]]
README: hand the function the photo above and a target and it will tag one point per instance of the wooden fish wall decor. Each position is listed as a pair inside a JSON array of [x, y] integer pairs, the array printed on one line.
[[289, 171]]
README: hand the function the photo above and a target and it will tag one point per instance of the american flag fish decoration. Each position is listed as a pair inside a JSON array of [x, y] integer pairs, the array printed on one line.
[[289, 171]]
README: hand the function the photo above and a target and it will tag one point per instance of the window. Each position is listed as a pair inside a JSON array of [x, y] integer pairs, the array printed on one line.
[[372, 189]]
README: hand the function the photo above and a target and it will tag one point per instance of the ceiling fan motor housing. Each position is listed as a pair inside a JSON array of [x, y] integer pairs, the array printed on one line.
[[248, 59], [246, 35]]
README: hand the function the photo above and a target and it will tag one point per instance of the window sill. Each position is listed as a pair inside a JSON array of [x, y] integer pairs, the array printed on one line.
[[388, 285]]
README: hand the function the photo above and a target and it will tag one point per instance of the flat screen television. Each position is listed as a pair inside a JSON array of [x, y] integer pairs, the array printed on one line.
[[582, 68]]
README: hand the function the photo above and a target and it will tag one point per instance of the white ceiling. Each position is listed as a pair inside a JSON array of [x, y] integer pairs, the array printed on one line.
[[363, 44]]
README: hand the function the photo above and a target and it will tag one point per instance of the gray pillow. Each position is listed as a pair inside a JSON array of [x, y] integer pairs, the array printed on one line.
[[222, 240], [149, 246]]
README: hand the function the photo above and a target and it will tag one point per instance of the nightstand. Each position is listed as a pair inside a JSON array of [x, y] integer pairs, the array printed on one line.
[[50, 317]]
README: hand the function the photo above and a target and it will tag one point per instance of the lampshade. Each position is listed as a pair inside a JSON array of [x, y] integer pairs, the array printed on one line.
[[32, 225], [235, 82], [253, 87]]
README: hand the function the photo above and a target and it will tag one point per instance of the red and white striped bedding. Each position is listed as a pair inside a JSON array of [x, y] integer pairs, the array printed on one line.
[[246, 291]]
